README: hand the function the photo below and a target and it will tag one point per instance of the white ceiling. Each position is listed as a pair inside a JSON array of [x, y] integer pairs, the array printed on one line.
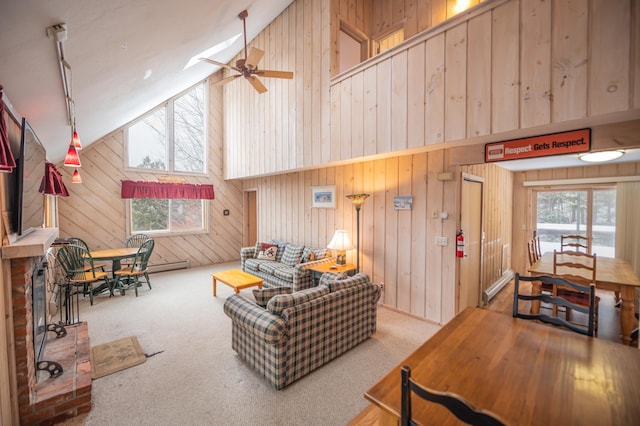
[[111, 45]]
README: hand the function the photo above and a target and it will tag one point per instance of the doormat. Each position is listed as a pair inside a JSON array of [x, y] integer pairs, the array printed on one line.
[[115, 356]]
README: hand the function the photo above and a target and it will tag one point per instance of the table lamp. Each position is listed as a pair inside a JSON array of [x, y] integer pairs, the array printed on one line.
[[340, 243]]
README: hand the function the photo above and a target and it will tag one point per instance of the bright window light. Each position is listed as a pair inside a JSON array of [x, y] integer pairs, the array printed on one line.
[[211, 51]]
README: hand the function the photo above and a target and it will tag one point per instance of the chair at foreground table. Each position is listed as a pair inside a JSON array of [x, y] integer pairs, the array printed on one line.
[[79, 268], [454, 403], [557, 300], [130, 275]]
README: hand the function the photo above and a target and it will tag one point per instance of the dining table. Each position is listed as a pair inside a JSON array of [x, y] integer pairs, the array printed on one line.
[[527, 373], [115, 255], [613, 274]]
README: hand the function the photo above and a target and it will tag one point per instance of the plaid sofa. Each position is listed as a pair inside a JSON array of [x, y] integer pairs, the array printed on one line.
[[288, 269], [299, 332]]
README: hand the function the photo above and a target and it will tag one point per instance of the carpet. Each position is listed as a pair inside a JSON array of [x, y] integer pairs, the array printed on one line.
[[118, 355]]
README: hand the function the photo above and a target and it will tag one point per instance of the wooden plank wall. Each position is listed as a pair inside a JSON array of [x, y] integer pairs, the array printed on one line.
[[95, 212], [398, 246], [523, 199]]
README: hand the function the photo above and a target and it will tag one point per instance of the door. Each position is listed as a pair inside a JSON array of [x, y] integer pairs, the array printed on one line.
[[250, 219], [471, 224]]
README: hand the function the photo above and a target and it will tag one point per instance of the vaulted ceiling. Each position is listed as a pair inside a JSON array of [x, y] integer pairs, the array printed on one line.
[[125, 57]]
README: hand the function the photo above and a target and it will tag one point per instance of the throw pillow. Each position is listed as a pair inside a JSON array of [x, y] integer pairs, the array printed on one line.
[[279, 303], [292, 255], [263, 295], [268, 252]]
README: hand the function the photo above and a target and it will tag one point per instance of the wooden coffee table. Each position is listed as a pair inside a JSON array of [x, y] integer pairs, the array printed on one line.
[[235, 279]]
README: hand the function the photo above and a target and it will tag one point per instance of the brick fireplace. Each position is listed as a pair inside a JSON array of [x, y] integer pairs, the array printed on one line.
[[49, 400]]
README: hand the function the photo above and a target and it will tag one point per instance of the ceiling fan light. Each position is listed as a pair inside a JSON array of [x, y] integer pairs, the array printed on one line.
[[601, 156]]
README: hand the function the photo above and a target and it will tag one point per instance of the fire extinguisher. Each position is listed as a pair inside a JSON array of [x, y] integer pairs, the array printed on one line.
[[460, 244]]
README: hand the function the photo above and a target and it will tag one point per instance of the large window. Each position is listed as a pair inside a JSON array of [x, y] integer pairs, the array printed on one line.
[[171, 138], [162, 216], [587, 212]]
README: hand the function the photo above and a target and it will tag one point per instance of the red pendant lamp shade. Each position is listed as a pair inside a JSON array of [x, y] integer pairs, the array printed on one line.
[[76, 139], [76, 177], [72, 159]]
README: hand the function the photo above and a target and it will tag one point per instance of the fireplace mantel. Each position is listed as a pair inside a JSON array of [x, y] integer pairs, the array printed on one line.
[[33, 244]]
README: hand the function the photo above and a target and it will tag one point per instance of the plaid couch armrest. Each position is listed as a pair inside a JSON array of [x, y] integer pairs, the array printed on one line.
[[259, 321], [302, 278], [246, 253]]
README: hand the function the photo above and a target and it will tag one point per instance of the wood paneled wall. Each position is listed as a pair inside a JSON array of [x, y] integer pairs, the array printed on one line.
[[398, 246], [95, 212], [523, 199]]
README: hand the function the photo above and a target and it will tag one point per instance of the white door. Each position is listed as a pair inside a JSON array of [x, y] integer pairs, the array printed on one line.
[[471, 225]]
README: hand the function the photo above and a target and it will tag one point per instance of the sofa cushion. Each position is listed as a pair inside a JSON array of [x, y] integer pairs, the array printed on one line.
[[310, 253], [279, 303], [263, 295], [268, 266], [252, 265], [292, 255], [268, 252], [359, 278], [284, 272]]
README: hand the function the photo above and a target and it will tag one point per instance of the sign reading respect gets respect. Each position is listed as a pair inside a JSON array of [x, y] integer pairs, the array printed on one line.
[[539, 146]]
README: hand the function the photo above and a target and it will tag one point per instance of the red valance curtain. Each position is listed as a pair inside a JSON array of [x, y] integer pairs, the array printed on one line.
[[7, 162], [51, 183], [185, 191]]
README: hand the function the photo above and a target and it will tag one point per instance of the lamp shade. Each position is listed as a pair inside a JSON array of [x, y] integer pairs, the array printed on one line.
[[357, 199], [340, 241], [76, 139], [72, 159], [76, 177]]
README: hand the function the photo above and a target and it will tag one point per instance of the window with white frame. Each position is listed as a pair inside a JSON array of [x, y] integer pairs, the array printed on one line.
[[172, 139]]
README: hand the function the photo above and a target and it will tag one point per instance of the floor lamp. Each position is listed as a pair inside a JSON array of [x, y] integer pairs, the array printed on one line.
[[358, 201]]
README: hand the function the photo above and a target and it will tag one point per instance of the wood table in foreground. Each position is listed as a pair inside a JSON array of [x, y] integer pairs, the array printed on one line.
[[236, 279], [525, 372], [611, 274]]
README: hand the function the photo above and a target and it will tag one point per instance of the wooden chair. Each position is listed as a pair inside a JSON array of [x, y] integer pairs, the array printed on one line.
[[531, 250], [80, 242], [79, 268], [136, 240], [558, 299], [130, 275], [575, 243], [581, 268], [454, 403]]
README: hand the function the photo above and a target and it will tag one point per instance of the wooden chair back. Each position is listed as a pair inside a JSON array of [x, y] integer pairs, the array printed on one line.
[[557, 300], [575, 266], [577, 243], [136, 240], [458, 406]]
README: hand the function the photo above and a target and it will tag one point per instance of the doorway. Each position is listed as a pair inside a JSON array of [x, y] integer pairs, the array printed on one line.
[[250, 228], [470, 264]]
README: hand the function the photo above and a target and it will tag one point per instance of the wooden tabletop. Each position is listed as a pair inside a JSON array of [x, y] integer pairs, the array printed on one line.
[[332, 267], [527, 373], [609, 270], [114, 253]]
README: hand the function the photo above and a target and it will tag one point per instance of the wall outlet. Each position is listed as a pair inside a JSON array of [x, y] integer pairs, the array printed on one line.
[[381, 286], [442, 241]]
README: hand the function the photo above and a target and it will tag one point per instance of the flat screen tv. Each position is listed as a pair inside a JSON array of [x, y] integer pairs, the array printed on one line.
[[30, 167]]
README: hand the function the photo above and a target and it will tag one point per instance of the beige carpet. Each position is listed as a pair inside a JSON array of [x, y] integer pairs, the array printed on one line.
[[118, 355]]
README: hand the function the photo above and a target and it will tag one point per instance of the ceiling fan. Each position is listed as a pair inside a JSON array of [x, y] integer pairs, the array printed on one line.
[[248, 67]]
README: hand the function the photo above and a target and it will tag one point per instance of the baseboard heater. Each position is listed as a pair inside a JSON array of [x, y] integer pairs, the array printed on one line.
[[498, 285], [169, 266]]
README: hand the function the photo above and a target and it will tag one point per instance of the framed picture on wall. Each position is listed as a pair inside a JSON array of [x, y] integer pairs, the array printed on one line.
[[323, 197], [403, 202]]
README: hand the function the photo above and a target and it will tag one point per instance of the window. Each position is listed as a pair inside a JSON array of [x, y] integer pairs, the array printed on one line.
[[171, 138], [588, 212], [387, 41], [164, 216]]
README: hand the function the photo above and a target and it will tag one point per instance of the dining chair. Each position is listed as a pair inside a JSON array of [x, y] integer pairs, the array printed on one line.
[[581, 268], [80, 242], [136, 240], [79, 269], [130, 275], [560, 298], [458, 406], [577, 243]]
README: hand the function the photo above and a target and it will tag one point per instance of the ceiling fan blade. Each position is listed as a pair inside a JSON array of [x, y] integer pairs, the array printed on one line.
[[226, 80], [255, 55], [257, 84], [220, 64], [276, 74]]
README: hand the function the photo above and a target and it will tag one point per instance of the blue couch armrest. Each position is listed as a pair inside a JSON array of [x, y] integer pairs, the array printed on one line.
[[257, 320], [246, 253]]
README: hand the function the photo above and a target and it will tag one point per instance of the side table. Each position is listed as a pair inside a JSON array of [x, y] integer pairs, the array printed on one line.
[[318, 270]]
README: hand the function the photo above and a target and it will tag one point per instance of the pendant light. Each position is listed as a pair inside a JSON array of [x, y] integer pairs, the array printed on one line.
[[76, 177], [76, 138]]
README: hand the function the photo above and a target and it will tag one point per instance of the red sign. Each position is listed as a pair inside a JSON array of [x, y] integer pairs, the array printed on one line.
[[539, 146]]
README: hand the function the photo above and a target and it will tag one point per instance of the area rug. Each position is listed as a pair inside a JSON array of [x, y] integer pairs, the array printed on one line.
[[118, 355]]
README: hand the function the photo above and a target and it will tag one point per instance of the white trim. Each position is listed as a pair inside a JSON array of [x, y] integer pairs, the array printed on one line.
[[613, 179]]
